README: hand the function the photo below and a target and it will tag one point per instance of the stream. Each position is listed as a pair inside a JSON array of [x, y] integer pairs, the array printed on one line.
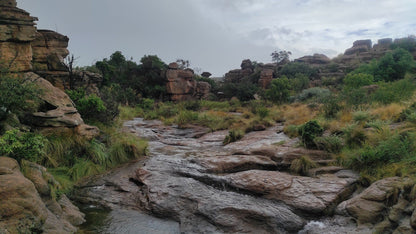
[[192, 183]]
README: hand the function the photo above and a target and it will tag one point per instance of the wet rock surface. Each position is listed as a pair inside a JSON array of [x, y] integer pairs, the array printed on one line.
[[201, 186]]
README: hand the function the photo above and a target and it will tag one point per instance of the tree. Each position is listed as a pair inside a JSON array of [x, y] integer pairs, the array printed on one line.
[[280, 56], [279, 90], [183, 64], [17, 95], [394, 65]]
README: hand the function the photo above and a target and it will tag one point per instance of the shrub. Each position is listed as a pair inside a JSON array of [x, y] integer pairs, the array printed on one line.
[[317, 93], [331, 106], [89, 106], [309, 131], [302, 165], [292, 69], [146, 104], [233, 135], [23, 145], [361, 116], [279, 90], [354, 135], [299, 82], [394, 91], [17, 95], [331, 144], [357, 80]]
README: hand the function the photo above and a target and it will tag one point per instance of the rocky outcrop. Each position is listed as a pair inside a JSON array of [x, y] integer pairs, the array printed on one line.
[[314, 60], [27, 205], [266, 77], [57, 109], [49, 50], [182, 86], [17, 30], [387, 204]]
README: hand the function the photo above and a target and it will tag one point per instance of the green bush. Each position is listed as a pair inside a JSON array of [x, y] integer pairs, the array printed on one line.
[[394, 91], [233, 135], [317, 93], [17, 95], [331, 106], [290, 70], [308, 132], [331, 144], [90, 107], [186, 117], [146, 104], [279, 90], [354, 135], [357, 80], [23, 145]]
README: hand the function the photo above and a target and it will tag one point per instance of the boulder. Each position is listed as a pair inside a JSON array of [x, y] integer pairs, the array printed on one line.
[[202, 90], [312, 195], [27, 205], [371, 205], [57, 109], [182, 86], [21, 208]]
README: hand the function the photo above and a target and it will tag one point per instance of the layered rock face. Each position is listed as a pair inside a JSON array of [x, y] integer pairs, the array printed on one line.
[[24, 50], [182, 86], [17, 30], [49, 50], [27, 205]]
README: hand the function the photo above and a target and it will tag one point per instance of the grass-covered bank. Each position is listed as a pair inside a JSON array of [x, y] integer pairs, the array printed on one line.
[[70, 157]]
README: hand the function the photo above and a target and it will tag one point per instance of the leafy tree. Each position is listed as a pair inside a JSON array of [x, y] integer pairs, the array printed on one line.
[[279, 90], [244, 90], [280, 56], [357, 80], [394, 65], [17, 95]]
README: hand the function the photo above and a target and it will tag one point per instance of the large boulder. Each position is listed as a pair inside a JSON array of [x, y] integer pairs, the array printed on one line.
[[27, 205], [57, 109], [385, 199], [266, 77]]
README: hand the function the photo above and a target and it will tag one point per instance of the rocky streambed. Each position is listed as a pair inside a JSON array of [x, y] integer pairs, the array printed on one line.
[[191, 183]]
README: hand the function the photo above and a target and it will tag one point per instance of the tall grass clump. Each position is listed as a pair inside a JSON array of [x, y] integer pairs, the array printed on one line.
[[124, 147], [233, 135], [302, 165]]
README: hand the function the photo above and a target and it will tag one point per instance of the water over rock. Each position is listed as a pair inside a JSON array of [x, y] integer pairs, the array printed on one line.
[[205, 187]]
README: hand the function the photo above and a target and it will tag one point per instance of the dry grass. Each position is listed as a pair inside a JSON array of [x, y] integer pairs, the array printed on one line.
[[389, 112], [297, 114]]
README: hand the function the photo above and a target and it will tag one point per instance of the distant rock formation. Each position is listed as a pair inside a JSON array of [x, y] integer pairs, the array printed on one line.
[[264, 72], [316, 59], [182, 86]]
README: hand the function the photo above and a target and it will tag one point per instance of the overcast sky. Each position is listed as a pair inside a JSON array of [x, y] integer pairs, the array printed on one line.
[[216, 35]]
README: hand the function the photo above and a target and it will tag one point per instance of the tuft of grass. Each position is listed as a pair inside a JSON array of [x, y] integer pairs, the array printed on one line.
[[331, 144], [83, 168], [302, 165], [124, 147], [233, 135]]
